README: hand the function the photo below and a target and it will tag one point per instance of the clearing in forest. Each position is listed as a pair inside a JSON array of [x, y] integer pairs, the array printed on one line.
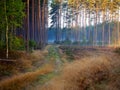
[[91, 69]]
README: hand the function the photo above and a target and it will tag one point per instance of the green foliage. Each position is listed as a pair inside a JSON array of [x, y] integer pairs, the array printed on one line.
[[53, 52], [57, 42], [3, 71], [99, 43], [45, 78], [67, 42], [55, 5], [32, 43], [76, 43], [69, 53], [84, 41], [2, 44], [17, 43], [13, 10]]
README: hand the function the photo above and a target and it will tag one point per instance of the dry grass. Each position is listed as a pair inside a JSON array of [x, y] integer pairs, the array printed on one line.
[[9, 68], [37, 55], [20, 77], [21, 81], [12, 54], [22, 64], [91, 70], [92, 73]]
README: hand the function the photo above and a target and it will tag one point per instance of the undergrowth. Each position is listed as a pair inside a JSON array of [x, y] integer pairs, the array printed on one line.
[[12, 54], [21, 81], [69, 53], [117, 50], [37, 68], [23, 71], [99, 73]]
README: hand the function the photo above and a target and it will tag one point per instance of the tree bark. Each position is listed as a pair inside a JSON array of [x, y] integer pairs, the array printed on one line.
[[39, 24], [103, 28], [27, 33], [109, 38], [33, 17], [7, 28]]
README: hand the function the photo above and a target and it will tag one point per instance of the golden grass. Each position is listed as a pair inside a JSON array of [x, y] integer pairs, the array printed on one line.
[[37, 55], [86, 74], [21, 65], [13, 68], [22, 80], [35, 62]]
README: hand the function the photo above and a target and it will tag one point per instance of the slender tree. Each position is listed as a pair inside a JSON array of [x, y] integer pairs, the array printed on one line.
[[27, 32], [33, 18], [6, 19]]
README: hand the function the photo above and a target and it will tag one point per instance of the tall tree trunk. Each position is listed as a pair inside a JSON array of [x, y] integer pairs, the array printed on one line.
[[60, 21], [77, 34], [63, 25], [33, 21], [43, 26], [96, 26], [6, 18], [89, 34], [39, 24], [58, 24], [118, 32], [46, 20], [109, 38], [103, 29], [35, 24], [43, 23], [79, 27], [27, 33], [84, 26]]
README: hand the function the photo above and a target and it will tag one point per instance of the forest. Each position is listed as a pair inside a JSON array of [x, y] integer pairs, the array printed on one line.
[[59, 44]]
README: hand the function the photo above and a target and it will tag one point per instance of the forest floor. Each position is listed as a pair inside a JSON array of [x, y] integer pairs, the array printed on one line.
[[64, 68]]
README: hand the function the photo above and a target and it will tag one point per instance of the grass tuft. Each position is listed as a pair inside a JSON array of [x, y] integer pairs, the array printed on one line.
[[22, 80], [95, 73]]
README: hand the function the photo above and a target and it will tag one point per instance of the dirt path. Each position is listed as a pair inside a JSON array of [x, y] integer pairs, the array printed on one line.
[[67, 68], [91, 67]]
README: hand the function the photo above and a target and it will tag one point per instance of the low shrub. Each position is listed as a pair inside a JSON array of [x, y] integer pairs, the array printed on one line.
[[76, 43], [17, 43], [69, 54], [32, 44], [117, 50], [67, 42]]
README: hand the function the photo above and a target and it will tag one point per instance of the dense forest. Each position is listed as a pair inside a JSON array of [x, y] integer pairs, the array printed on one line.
[[94, 22], [23, 24], [89, 22], [59, 44]]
